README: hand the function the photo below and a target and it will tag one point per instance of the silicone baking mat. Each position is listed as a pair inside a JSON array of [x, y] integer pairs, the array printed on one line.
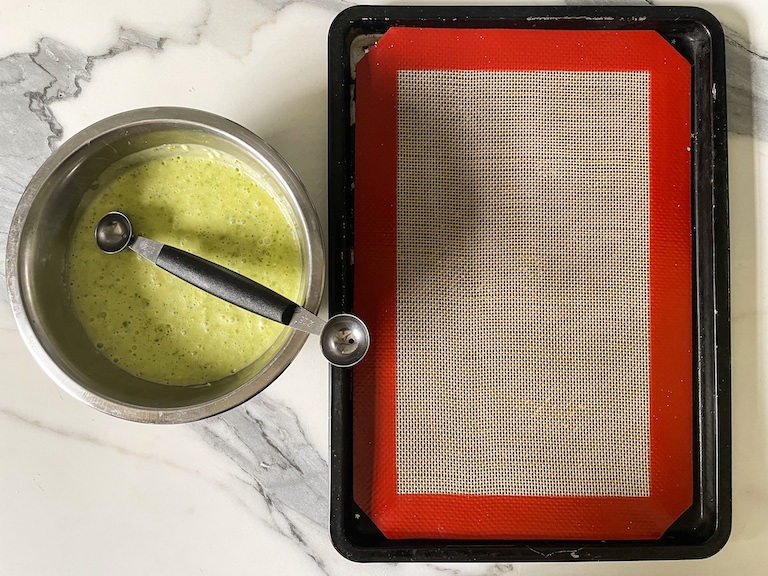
[[523, 260]]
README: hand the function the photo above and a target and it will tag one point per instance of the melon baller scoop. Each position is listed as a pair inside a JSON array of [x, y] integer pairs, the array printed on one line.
[[344, 338]]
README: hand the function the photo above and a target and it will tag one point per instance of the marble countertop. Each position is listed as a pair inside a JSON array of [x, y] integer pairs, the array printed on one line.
[[247, 492]]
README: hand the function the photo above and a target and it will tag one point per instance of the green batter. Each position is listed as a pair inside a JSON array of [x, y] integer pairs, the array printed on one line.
[[149, 322]]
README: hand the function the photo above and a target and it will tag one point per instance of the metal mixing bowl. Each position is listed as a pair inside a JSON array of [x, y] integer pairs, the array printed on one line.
[[37, 270]]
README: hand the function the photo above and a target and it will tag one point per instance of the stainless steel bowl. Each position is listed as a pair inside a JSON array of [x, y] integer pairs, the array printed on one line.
[[37, 272]]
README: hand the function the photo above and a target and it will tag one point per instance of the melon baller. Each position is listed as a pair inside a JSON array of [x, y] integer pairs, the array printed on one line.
[[344, 338]]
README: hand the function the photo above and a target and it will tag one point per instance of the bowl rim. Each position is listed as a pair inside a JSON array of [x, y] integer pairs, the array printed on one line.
[[236, 134]]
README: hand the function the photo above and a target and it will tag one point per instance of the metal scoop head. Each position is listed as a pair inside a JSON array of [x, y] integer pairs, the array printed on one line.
[[113, 232], [344, 340]]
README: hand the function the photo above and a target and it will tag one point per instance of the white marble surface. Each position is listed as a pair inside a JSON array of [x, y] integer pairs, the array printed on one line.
[[246, 492]]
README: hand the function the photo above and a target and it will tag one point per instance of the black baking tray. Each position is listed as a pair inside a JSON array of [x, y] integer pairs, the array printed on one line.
[[698, 36]]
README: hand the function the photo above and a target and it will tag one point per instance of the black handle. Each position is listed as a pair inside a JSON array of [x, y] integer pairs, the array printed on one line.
[[226, 284]]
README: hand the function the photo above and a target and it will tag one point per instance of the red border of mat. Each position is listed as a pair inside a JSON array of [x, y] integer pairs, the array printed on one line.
[[374, 381]]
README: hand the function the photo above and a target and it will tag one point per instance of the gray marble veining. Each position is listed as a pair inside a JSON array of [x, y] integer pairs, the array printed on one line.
[[747, 88], [29, 84], [265, 439]]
